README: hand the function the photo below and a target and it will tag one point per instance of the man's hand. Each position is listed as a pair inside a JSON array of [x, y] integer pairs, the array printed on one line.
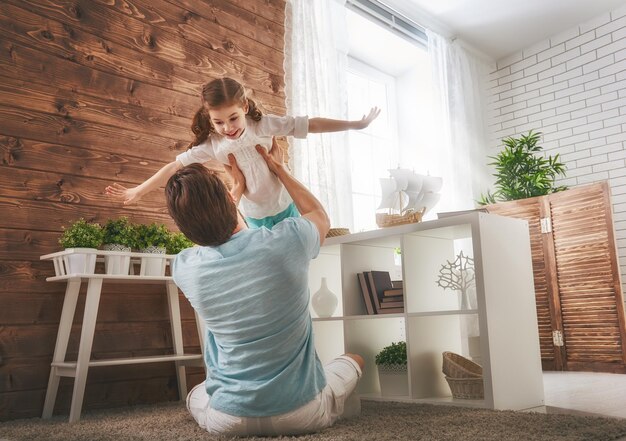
[[239, 180], [119, 192], [306, 203], [275, 157]]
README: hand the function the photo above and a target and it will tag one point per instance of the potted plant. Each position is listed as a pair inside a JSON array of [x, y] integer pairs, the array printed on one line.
[[83, 238], [152, 239], [392, 369], [120, 236], [178, 242], [521, 172]]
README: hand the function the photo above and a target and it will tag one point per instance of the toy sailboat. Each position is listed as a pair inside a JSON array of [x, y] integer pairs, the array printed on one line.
[[406, 197]]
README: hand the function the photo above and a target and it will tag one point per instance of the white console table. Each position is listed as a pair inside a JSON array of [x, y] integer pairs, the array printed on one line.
[[79, 368]]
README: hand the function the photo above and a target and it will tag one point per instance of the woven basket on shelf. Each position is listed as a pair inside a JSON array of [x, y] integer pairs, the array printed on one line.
[[333, 232], [464, 377], [457, 366], [466, 388]]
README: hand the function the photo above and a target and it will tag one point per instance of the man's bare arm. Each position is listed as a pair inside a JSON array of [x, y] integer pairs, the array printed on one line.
[[306, 203]]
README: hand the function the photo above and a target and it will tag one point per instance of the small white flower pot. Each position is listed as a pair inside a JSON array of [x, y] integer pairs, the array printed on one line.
[[393, 379], [80, 262], [117, 264], [153, 266]]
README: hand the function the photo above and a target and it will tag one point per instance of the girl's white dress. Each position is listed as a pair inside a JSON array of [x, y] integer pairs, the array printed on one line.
[[265, 195]]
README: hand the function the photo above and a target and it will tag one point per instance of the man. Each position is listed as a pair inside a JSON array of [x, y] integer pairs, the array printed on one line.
[[250, 286]]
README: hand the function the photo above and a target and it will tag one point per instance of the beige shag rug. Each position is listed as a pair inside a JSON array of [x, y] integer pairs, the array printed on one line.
[[379, 421]]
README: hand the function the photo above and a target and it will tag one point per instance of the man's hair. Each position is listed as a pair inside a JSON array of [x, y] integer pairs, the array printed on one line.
[[201, 205]]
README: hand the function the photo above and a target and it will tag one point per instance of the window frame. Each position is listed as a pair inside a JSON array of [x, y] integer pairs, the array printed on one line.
[[372, 74]]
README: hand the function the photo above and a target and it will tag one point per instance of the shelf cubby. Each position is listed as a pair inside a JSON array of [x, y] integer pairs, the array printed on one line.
[[367, 336], [329, 339]]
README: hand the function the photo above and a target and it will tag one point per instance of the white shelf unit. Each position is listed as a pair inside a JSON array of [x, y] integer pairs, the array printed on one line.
[[79, 369], [499, 331]]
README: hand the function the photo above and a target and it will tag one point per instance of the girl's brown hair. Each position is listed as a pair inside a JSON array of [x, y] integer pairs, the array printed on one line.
[[201, 205], [201, 127], [215, 94]]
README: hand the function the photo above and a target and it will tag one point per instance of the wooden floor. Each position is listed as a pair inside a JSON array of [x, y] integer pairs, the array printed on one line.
[[585, 393]]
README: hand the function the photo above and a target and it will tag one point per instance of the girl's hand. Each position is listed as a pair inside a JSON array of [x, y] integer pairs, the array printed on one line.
[[119, 192], [239, 180], [367, 119]]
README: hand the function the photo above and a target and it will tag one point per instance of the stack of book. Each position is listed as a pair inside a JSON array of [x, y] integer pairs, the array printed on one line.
[[381, 294]]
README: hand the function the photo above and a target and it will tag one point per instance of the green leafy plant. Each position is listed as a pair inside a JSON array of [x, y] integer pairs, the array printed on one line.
[[177, 243], [395, 353], [82, 234], [155, 235], [120, 231], [521, 172]]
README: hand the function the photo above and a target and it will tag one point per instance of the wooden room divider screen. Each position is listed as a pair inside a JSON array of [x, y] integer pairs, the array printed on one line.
[[580, 307]]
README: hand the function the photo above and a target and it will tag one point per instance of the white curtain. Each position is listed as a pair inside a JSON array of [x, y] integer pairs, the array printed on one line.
[[315, 85], [458, 131]]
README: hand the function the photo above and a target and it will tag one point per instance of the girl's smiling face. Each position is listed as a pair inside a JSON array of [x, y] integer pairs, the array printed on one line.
[[229, 121]]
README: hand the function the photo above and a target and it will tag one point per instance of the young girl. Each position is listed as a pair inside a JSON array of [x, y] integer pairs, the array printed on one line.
[[231, 123]]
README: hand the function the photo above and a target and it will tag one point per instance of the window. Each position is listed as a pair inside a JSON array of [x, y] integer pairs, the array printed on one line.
[[373, 150], [386, 70]]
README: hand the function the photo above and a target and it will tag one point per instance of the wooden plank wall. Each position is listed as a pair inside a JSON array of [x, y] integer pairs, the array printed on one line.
[[93, 91]]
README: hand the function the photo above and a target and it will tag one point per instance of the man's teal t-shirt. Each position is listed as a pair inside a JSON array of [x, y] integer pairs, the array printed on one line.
[[252, 292]]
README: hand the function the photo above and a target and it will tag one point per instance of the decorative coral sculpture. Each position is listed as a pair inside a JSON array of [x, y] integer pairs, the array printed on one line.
[[458, 275]]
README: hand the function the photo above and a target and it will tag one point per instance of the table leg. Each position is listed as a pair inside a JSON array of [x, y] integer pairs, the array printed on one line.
[[200, 325], [63, 337], [84, 350], [177, 336]]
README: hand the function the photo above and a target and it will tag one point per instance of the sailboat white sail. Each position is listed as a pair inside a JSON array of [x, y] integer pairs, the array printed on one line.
[[407, 196]]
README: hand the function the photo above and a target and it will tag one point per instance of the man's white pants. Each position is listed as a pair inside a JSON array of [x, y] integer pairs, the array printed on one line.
[[335, 401]]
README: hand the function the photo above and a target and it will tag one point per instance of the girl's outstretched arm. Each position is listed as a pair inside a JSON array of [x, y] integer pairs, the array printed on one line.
[[323, 125], [131, 195]]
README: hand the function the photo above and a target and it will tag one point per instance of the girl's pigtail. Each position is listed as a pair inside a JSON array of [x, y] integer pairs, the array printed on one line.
[[253, 111], [201, 127]]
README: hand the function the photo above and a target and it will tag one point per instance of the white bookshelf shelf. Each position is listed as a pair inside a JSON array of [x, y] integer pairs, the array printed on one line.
[[499, 331], [443, 313]]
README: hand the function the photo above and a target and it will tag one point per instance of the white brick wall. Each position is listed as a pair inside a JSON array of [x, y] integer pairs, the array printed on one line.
[[572, 88]]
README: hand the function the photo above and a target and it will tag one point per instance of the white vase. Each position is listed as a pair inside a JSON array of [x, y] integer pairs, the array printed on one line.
[[117, 264], [80, 262], [324, 301], [153, 266]]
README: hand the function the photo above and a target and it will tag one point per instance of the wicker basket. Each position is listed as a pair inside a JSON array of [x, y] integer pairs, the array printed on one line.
[[456, 366], [466, 388], [333, 232]]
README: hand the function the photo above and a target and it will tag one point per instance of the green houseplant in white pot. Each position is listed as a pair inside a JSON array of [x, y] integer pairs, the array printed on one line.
[[120, 236], [152, 239], [83, 238], [393, 376], [177, 242]]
